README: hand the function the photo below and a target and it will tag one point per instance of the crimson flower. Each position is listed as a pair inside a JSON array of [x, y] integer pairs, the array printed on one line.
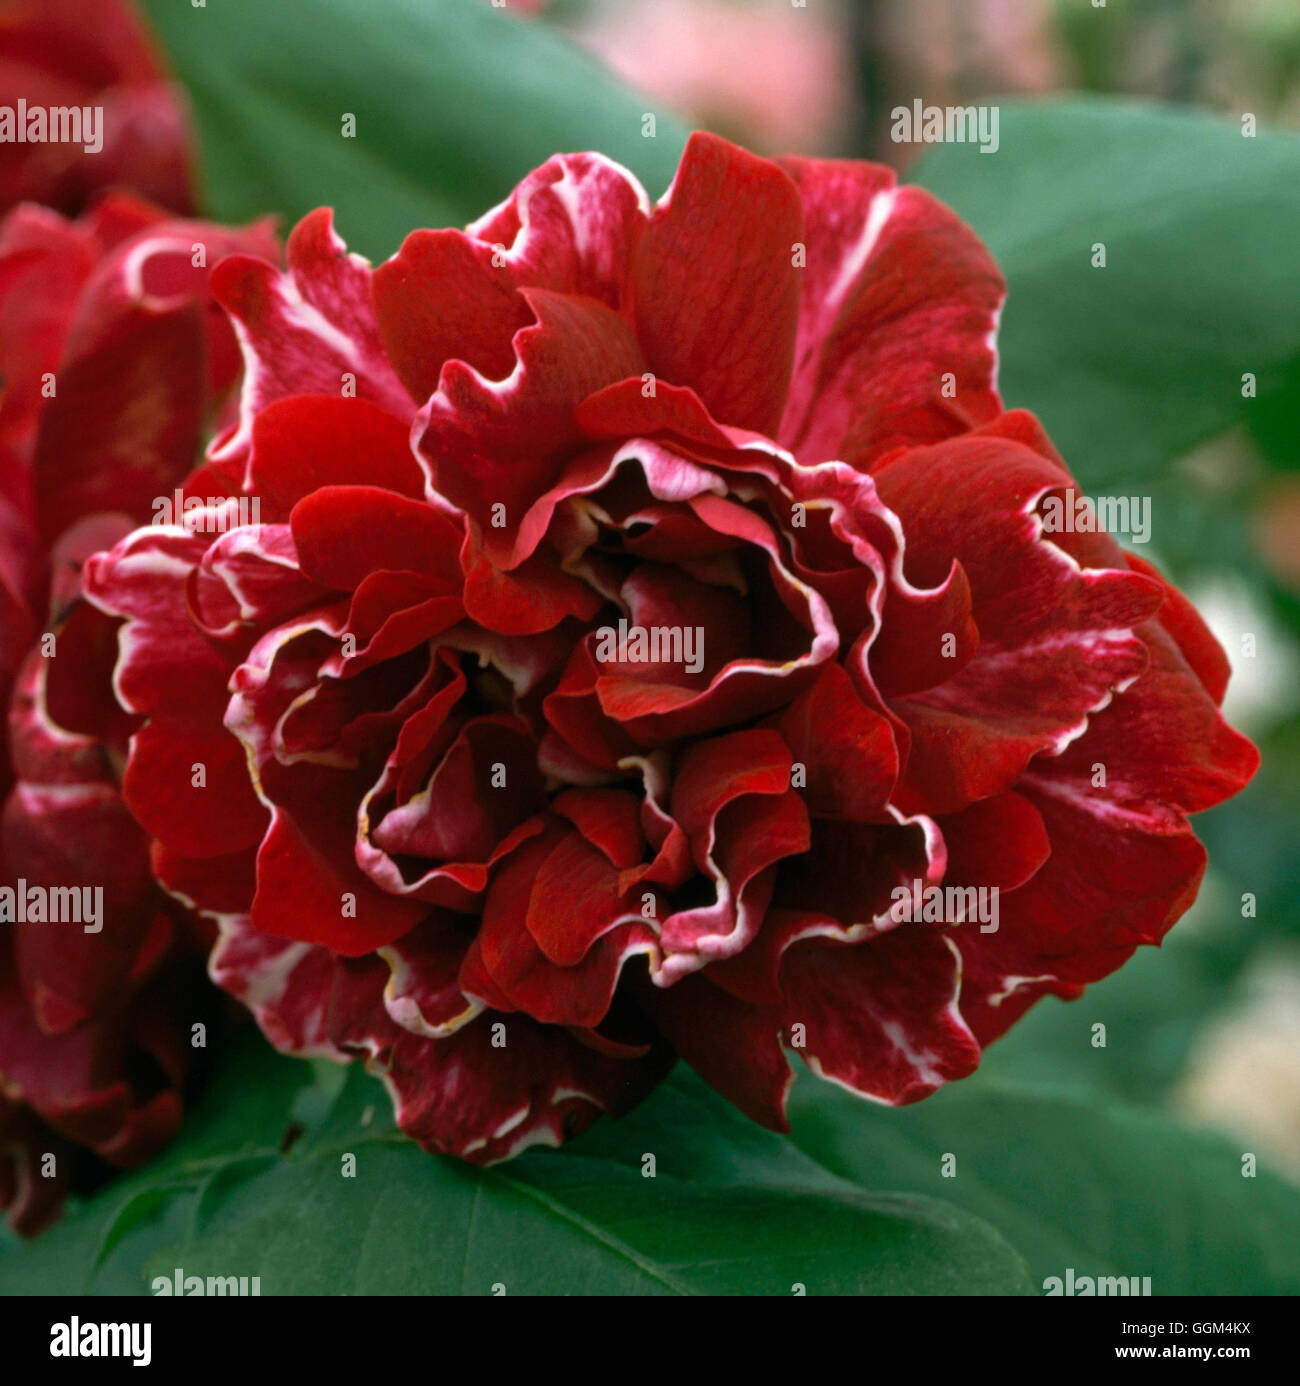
[[64, 55], [641, 598], [114, 360]]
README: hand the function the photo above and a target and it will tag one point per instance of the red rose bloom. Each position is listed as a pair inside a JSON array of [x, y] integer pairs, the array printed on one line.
[[60, 54], [113, 359], [643, 597]]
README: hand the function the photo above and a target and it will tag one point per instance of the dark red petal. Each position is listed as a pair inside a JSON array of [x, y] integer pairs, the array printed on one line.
[[308, 441], [733, 1046], [575, 899], [311, 330], [345, 533], [609, 819], [527, 600], [165, 665], [78, 836], [880, 1017], [897, 293], [221, 816], [1162, 746], [713, 773], [502, 443], [310, 889], [847, 750], [715, 289], [995, 842], [126, 423], [1183, 622], [1113, 881], [571, 225], [625, 410], [1055, 640], [423, 994], [440, 298], [216, 885], [505, 961]]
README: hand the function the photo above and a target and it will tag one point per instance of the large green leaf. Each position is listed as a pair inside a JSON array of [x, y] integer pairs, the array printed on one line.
[[454, 101], [1102, 1188], [1130, 365], [731, 1209]]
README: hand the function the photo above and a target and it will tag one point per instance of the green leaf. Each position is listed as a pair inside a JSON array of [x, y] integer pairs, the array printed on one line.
[[454, 101], [1105, 1189], [731, 1209], [1130, 365]]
